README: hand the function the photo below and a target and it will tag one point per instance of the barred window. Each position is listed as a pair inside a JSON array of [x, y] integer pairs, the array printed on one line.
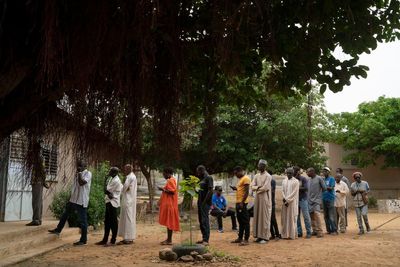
[[50, 158]]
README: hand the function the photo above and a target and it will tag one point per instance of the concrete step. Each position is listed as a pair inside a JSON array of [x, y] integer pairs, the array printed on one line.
[[20, 243]]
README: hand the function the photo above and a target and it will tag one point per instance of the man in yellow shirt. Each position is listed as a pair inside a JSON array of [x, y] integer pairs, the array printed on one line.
[[243, 217]]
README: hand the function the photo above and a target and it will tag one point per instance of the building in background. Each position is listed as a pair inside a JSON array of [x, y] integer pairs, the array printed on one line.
[[384, 182]]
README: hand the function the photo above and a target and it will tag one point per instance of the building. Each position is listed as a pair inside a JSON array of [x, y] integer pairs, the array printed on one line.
[[384, 182], [59, 154]]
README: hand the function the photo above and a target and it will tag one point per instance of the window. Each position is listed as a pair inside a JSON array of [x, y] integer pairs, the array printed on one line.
[[50, 158]]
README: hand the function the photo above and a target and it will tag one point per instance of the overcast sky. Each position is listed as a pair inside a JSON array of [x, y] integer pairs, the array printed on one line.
[[383, 79]]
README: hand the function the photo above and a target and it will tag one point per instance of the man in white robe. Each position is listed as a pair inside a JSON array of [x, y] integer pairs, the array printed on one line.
[[127, 221], [261, 186], [290, 210]]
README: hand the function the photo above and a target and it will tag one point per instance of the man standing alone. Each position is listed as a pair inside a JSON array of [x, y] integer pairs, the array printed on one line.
[[328, 201], [290, 207], [261, 186], [359, 191], [316, 187], [303, 204], [127, 222]]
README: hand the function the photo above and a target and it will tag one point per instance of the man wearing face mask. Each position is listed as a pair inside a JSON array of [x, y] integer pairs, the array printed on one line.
[[359, 190]]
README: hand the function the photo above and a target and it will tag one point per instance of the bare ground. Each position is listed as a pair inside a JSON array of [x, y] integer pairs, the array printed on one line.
[[380, 247]]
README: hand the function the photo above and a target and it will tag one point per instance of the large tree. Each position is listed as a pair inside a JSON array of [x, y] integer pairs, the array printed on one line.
[[371, 132], [112, 61]]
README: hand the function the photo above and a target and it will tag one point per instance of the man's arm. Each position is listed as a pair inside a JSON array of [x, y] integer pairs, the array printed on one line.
[[210, 190], [81, 180], [303, 187], [245, 195], [322, 184]]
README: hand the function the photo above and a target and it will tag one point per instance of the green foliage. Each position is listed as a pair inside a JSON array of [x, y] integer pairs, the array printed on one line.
[[371, 132], [96, 206], [372, 202], [190, 186]]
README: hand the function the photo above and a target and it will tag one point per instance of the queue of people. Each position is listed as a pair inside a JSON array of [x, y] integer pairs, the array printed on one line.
[[303, 199]]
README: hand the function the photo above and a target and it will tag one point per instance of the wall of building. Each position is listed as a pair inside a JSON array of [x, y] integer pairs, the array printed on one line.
[[384, 183]]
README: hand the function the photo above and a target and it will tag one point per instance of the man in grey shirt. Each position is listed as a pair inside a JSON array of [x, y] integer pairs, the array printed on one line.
[[359, 190], [79, 202], [316, 187]]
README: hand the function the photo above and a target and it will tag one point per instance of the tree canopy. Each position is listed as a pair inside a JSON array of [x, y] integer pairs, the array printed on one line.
[[371, 132], [111, 63]]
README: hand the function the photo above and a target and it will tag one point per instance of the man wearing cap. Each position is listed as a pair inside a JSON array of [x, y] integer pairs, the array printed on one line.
[[328, 202], [359, 190], [261, 186], [219, 209], [112, 191]]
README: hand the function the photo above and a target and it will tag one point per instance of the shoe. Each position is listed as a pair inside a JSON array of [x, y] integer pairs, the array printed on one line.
[[101, 243], [205, 244], [257, 240], [314, 233], [54, 231], [110, 245], [342, 231], [300, 235], [334, 233], [368, 228], [262, 241], [236, 241], [125, 242], [33, 224], [244, 243], [221, 231], [320, 235], [277, 238], [308, 236], [79, 243], [361, 232], [235, 229], [200, 242]]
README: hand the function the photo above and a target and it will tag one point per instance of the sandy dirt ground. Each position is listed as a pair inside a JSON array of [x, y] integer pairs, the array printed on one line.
[[380, 247]]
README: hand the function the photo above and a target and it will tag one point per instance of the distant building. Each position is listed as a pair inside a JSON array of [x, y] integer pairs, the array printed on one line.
[[384, 183]]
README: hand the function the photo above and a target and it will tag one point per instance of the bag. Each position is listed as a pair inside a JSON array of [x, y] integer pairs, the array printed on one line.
[[365, 198]]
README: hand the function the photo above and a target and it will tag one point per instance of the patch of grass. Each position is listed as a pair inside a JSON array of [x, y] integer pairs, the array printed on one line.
[[222, 255]]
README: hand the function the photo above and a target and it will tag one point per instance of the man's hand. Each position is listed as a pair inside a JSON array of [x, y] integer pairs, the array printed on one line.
[[329, 188], [286, 204], [284, 200], [337, 191], [233, 187]]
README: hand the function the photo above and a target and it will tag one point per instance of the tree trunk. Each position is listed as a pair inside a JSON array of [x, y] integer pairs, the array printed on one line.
[[147, 175]]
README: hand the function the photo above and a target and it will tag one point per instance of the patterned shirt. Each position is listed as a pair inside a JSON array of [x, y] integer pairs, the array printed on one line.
[[355, 187]]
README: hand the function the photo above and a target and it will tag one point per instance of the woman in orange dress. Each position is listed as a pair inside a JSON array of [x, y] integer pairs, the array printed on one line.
[[169, 214]]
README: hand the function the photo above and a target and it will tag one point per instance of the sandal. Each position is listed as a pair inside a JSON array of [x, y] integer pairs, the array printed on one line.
[[244, 243], [236, 241], [166, 243]]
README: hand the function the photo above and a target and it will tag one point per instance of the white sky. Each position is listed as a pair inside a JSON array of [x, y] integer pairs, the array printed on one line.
[[383, 79]]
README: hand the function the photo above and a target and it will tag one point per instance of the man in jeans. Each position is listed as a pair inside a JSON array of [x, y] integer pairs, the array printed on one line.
[[303, 204], [359, 190], [316, 187], [204, 203], [79, 201], [328, 201], [242, 193], [220, 210]]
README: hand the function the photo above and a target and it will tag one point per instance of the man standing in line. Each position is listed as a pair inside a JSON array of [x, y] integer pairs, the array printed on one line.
[[242, 193], [112, 191], [290, 207], [78, 201], [274, 224], [359, 191], [316, 187], [303, 204], [127, 222], [204, 203], [341, 191], [339, 171], [261, 186], [328, 201]]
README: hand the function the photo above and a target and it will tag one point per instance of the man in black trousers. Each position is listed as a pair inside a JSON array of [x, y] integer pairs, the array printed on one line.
[[112, 191]]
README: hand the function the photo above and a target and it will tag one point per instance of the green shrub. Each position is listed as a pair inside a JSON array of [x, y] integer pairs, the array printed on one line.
[[372, 202], [96, 207]]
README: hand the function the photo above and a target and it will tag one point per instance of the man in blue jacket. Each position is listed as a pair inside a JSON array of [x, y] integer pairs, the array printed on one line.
[[328, 202]]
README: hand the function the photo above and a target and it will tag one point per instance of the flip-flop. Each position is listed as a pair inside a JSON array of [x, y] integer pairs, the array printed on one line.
[[165, 243]]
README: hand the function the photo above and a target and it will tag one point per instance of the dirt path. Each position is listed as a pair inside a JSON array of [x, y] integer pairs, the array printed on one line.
[[378, 248]]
